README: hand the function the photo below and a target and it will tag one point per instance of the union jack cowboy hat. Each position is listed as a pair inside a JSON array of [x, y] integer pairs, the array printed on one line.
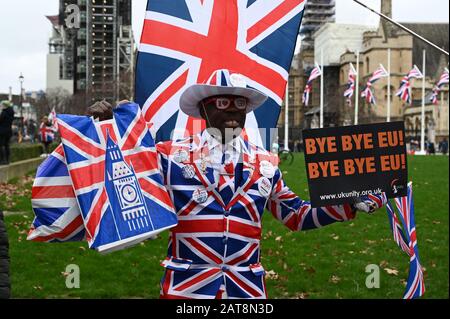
[[221, 82]]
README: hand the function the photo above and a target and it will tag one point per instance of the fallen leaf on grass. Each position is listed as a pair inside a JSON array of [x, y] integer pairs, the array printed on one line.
[[82, 248], [279, 238], [302, 295], [383, 264], [436, 222], [271, 275], [391, 271], [335, 279], [336, 237]]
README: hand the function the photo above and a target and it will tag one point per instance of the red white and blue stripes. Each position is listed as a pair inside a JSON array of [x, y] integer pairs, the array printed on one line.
[[315, 73], [406, 239], [367, 93], [404, 92], [438, 87], [350, 84]]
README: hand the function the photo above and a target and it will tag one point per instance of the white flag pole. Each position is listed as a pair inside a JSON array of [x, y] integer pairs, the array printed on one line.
[[389, 88], [357, 88], [321, 88], [422, 138], [286, 118]]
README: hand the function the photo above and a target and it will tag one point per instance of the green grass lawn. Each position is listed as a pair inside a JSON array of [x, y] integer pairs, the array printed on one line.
[[324, 263]]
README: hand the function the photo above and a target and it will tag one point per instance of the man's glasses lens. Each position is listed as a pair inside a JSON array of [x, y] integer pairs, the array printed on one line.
[[224, 103]]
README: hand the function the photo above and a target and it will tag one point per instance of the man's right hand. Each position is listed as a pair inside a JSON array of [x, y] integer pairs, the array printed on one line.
[[101, 110]]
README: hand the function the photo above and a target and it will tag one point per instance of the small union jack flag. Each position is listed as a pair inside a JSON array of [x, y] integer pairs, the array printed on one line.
[[443, 80], [406, 239], [315, 73], [114, 171], [350, 84], [367, 93], [404, 92], [184, 42]]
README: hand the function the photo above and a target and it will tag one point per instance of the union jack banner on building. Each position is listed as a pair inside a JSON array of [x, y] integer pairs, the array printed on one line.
[[315, 73], [350, 84], [114, 172], [406, 239], [367, 93], [404, 92], [184, 42]]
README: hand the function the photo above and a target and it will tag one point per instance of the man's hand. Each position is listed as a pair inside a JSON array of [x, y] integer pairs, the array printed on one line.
[[370, 203], [101, 110]]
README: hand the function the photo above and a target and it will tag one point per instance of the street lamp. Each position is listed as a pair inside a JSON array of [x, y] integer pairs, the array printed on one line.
[[21, 78]]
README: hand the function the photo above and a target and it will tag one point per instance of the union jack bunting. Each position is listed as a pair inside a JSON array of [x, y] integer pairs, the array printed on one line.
[[57, 215], [315, 73], [404, 92], [350, 84], [406, 239], [184, 42], [114, 172], [367, 93]]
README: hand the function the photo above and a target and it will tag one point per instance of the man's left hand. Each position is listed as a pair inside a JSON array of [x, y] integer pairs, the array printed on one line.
[[370, 203]]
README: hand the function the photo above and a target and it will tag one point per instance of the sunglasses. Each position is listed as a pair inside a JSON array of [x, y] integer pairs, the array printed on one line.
[[222, 103]]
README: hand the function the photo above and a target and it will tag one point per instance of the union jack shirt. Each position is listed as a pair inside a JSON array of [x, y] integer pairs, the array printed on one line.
[[215, 248]]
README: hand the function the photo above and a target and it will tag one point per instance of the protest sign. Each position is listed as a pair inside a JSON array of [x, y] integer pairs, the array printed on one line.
[[344, 163]]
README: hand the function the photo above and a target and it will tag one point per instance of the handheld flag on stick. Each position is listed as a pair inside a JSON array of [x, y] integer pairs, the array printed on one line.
[[404, 92], [315, 73], [406, 239], [350, 84], [367, 93]]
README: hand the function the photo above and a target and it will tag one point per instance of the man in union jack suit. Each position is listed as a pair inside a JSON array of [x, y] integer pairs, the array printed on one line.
[[220, 184]]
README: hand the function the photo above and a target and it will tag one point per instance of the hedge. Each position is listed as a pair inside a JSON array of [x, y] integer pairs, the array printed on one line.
[[24, 151]]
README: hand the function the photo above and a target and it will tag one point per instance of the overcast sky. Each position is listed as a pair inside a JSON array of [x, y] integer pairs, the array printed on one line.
[[24, 31]]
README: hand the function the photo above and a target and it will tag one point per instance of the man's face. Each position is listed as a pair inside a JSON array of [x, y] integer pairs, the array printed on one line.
[[225, 113]]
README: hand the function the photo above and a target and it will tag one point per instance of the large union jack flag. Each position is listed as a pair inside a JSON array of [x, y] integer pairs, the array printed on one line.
[[114, 172], [184, 41], [406, 239]]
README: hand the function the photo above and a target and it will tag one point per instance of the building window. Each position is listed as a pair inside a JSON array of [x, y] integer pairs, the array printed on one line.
[[367, 65], [386, 93]]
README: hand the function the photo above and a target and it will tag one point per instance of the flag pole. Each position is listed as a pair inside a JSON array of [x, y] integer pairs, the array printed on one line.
[[422, 138], [389, 88], [286, 117], [357, 88], [321, 88], [403, 28]]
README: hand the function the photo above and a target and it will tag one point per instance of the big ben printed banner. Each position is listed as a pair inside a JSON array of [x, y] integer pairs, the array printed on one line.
[[114, 172]]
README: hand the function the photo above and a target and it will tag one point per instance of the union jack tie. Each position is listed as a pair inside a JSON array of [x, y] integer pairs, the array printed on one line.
[[226, 179]]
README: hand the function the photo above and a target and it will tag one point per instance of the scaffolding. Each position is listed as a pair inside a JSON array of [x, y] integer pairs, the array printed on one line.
[[99, 56], [317, 13]]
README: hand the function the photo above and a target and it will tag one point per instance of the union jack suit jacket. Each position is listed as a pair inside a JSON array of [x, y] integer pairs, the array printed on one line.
[[214, 251]]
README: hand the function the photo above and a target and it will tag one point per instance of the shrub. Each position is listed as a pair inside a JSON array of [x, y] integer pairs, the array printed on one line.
[[20, 152]]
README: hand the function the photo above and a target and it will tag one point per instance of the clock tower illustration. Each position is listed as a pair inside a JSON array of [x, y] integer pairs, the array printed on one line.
[[127, 202]]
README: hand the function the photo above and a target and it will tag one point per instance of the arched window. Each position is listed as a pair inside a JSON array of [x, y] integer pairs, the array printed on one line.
[[391, 93]]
